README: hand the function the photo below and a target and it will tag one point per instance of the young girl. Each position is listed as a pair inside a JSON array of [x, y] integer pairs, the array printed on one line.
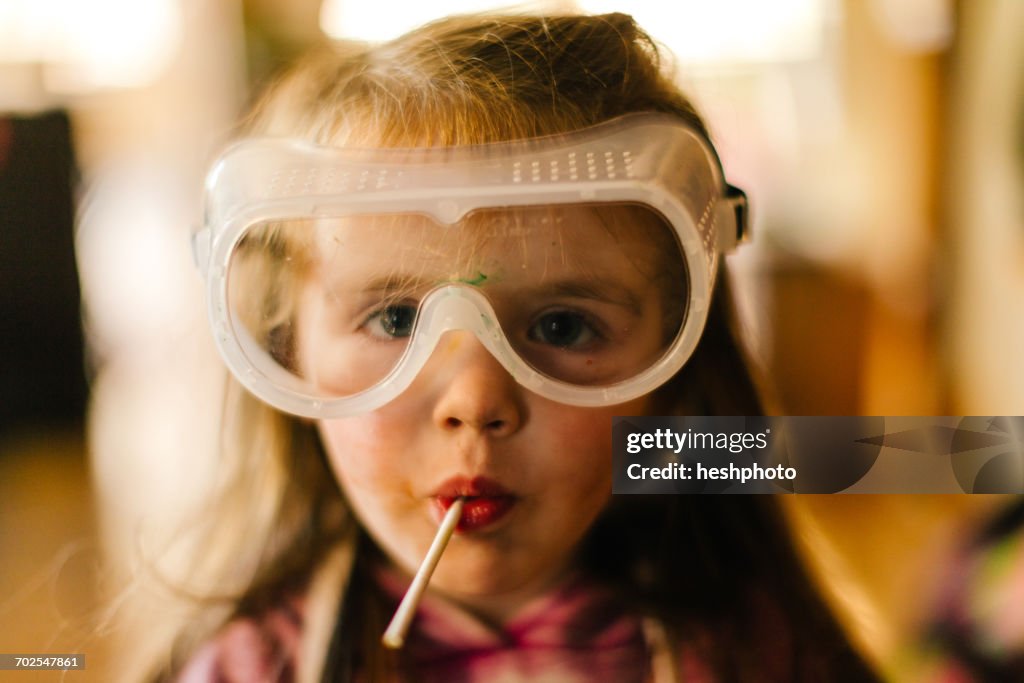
[[452, 335]]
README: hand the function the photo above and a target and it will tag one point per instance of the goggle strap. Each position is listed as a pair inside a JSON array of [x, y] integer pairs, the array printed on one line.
[[732, 224]]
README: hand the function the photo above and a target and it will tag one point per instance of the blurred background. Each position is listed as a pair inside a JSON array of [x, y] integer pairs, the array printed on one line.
[[881, 143]]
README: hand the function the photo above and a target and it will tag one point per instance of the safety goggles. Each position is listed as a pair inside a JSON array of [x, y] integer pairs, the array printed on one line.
[[584, 262]]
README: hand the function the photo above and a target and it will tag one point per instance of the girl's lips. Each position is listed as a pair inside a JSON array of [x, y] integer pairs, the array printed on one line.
[[479, 512], [487, 501]]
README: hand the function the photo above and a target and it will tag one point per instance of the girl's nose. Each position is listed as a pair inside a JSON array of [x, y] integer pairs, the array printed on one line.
[[474, 391]]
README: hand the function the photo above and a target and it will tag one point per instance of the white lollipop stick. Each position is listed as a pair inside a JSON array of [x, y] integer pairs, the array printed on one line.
[[394, 636]]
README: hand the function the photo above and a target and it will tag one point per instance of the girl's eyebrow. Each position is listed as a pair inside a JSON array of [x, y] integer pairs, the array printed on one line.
[[393, 286], [397, 282], [604, 292]]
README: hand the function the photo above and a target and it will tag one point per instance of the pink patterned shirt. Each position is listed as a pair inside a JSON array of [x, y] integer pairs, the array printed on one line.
[[578, 632]]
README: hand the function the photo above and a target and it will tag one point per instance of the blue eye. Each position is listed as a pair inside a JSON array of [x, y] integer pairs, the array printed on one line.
[[563, 329], [392, 322]]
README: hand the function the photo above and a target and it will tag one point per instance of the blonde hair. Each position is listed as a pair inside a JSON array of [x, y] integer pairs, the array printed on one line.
[[472, 79], [460, 80]]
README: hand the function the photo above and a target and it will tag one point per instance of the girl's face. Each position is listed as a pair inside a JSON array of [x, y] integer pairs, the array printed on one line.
[[536, 473], [542, 470]]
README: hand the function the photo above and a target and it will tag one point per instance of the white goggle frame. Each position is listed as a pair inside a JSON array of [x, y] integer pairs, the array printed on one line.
[[654, 160]]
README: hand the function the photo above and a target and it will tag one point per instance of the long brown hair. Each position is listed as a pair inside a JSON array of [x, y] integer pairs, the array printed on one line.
[[478, 79]]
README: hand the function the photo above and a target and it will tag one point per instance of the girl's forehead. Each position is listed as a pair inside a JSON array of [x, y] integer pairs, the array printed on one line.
[[493, 243], [551, 227], [496, 222]]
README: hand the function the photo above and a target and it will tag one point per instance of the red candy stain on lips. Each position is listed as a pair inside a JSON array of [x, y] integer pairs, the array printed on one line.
[[480, 512], [486, 501]]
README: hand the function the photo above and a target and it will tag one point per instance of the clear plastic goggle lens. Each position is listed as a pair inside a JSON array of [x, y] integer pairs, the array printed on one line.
[[587, 295]]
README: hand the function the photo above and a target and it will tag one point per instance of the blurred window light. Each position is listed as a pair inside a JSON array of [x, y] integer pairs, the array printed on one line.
[[729, 31], [916, 25], [383, 20], [86, 45], [130, 254], [696, 31]]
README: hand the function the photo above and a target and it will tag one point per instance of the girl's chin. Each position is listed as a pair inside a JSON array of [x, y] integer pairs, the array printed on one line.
[[476, 578], [513, 578]]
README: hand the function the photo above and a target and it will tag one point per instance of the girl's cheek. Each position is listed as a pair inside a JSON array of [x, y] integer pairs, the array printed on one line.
[[582, 441], [363, 451], [590, 426]]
